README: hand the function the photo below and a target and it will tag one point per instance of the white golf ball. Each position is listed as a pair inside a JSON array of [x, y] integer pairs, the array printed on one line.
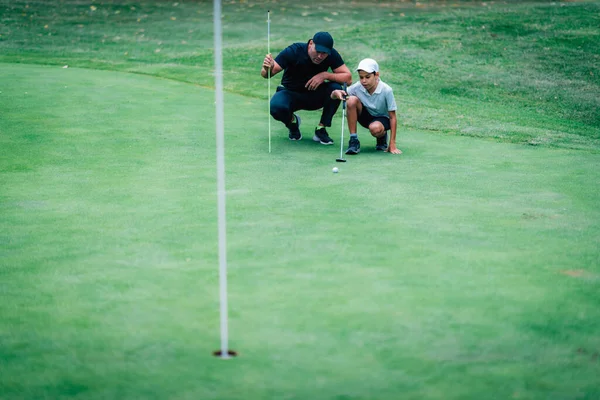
[[335, 170]]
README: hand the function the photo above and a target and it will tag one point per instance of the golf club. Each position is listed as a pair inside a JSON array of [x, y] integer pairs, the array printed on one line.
[[269, 75], [342, 159]]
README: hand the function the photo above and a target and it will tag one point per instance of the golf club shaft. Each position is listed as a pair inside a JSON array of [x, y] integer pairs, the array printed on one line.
[[343, 119]]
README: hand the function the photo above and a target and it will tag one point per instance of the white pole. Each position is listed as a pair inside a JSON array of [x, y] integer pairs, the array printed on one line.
[[269, 75], [221, 178]]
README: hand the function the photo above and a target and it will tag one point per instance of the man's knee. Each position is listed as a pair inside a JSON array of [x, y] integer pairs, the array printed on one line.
[[331, 86], [279, 110]]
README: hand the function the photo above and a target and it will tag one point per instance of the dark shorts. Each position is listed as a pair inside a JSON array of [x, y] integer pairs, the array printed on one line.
[[365, 119]]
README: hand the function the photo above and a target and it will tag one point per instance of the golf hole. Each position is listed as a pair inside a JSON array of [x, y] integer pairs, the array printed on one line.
[[230, 353]]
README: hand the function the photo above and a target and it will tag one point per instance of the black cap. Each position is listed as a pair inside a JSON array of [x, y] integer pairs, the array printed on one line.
[[323, 42]]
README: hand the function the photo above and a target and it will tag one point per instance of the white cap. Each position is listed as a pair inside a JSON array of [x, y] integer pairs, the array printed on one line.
[[368, 65]]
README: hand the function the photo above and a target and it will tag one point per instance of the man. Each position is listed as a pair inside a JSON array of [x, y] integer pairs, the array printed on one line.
[[307, 83]]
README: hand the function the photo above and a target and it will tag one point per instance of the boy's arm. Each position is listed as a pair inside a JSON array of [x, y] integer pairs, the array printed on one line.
[[393, 125]]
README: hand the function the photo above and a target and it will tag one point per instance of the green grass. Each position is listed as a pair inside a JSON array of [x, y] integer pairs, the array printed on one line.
[[467, 268], [522, 72]]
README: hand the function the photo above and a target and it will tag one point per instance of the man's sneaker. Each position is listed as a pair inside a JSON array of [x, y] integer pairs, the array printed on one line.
[[294, 129], [381, 143], [353, 146], [322, 136]]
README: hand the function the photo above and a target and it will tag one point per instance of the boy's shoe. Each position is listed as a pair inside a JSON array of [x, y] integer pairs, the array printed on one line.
[[382, 143], [322, 136], [295, 129], [353, 146]]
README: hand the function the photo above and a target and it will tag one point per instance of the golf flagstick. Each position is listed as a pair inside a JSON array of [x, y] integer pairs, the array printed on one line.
[[342, 159], [269, 74], [224, 352]]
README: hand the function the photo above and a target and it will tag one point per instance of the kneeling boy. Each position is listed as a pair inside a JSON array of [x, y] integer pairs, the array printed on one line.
[[371, 103]]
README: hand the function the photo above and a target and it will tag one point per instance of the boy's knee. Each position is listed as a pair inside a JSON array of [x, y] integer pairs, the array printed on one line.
[[352, 101], [377, 129]]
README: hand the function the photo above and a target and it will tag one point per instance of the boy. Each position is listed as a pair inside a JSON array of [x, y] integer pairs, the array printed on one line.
[[371, 103]]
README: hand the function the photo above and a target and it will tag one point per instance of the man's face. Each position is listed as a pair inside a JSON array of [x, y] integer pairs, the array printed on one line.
[[316, 57]]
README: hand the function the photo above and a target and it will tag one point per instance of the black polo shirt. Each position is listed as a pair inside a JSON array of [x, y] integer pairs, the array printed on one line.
[[298, 67]]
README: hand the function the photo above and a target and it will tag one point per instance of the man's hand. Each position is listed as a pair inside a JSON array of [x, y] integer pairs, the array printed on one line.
[[268, 63], [269, 67], [316, 81]]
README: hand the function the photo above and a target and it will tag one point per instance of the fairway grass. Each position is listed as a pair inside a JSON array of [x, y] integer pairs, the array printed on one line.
[[463, 269]]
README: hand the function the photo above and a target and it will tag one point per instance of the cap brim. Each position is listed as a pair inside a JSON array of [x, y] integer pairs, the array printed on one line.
[[322, 49]]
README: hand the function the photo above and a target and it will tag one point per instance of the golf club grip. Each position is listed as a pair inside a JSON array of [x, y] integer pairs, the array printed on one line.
[[345, 95]]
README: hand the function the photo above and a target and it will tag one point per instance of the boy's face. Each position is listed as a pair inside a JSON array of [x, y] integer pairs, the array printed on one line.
[[368, 80], [316, 57]]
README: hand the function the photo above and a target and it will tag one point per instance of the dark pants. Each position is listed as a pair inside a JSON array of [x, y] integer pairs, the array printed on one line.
[[285, 102]]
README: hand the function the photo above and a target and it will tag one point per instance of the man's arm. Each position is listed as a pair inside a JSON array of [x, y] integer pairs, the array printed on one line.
[[270, 63], [340, 75], [393, 125]]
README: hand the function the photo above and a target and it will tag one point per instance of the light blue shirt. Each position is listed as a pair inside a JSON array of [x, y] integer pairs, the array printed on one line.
[[380, 103]]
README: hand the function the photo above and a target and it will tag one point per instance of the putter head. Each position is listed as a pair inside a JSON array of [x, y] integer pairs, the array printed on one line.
[[340, 159]]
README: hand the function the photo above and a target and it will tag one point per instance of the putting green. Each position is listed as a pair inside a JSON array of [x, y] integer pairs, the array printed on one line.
[[459, 267]]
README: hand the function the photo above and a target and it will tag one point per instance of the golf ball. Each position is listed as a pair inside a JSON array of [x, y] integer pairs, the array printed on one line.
[[335, 170]]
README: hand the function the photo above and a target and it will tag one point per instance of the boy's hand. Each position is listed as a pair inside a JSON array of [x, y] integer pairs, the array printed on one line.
[[392, 149], [339, 94]]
